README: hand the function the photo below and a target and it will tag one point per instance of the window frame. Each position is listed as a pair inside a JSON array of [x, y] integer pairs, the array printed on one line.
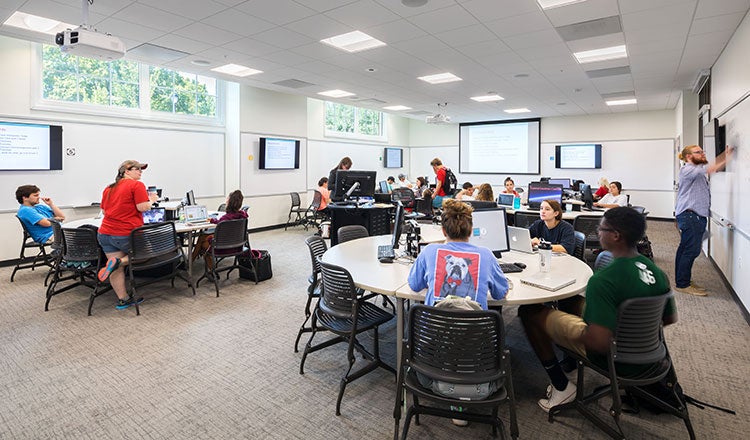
[[382, 137]]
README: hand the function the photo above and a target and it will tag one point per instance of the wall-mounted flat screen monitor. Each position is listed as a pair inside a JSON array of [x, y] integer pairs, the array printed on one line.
[[278, 154], [500, 147], [579, 156], [30, 147], [393, 158], [539, 192], [489, 229], [558, 181], [346, 180]]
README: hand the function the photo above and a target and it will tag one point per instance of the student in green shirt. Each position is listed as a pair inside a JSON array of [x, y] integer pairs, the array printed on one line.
[[630, 275]]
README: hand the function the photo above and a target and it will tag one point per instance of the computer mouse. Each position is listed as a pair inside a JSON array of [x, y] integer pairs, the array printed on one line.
[[520, 265], [385, 260]]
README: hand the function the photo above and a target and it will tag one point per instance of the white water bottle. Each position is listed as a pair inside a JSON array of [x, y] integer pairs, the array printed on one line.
[[545, 256]]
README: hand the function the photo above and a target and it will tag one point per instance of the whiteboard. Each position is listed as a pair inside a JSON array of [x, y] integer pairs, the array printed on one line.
[[323, 156], [177, 162], [257, 182]]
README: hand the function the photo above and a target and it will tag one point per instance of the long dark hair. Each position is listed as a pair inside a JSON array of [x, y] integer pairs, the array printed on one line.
[[234, 201]]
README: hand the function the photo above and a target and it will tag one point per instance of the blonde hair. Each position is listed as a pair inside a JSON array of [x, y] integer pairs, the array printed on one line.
[[456, 218], [485, 193], [603, 181]]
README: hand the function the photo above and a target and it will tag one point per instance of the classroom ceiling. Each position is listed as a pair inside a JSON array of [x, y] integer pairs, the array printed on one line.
[[512, 48]]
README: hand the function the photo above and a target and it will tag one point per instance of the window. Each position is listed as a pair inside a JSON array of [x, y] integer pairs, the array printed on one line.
[[105, 87], [350, 121]]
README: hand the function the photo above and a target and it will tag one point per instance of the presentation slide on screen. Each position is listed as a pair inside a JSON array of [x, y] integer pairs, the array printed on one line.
[[280, 153], [577, 156], [24, 146], [393, 158], [511, 148]]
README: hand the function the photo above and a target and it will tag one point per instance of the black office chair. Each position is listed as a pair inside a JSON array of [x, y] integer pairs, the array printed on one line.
[[29, 262], [482, 204], [351, 232], [457, 347], [296, 212], [346, 314], [588, 224], [222, 207], [317, 247], [230, 241], [580, 247], [638, 340], [155, 246], [524, 219], [314, 216], [640, 210], [405, 196]]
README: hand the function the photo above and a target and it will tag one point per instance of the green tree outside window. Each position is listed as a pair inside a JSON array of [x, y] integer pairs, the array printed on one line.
[[342, 118]]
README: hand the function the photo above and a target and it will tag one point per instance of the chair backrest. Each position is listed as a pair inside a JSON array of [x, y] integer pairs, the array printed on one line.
[[404, 195], [628, 199], [339, 296], [456, 346], [58, 240], [640, 210], [603, 260], [423, 206], [80, 244], [230, 234], [588, 224], [317, 247], [295, 199], [26, 234], [524, 219], [316, 201], [580, 247], [222, 207], [638, 338], [351, 232], [153, 240], [482, 204]]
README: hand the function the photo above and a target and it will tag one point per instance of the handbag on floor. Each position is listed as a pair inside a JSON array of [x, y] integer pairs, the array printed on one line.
[[261, 259]]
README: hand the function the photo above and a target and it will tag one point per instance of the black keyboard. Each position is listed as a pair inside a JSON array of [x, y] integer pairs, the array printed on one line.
[[592, 209], [386, 251], [510, 268]]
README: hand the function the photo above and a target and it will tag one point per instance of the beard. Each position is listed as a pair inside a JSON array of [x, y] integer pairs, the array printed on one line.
[[700, 160]]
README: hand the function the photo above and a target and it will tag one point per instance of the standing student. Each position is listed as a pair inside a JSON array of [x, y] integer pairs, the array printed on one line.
[[551, 228], [344, 164], [613, 198], [36, 216], [123, 203], [692, 211], [510, 187], [440, 184]]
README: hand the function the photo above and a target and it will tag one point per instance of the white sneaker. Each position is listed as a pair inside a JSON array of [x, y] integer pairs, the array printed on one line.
[[555, 397], [459, 422]]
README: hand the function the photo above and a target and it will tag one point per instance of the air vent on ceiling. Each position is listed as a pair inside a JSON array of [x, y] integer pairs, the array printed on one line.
[[591, 28], [701, 80], [612, 71], [293, 83]]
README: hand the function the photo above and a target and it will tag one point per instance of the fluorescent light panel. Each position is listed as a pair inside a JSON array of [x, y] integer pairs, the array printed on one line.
[[440, 78], [351, 42], [603, 54], [36, 23], [622, 101], [236, 70], [517, 110], [336, 93], [487, 98], [549, 4], [397, 108]]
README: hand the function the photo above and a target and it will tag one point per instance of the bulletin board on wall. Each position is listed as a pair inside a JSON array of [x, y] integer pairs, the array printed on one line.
[[257, 182], [178, 161], [323, 156]]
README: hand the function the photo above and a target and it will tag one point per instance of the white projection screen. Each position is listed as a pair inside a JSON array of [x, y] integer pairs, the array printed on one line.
[[500, 147]]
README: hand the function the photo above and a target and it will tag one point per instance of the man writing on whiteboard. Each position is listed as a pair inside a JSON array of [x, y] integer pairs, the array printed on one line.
[[36, 216], [439, 193], [692, 211]]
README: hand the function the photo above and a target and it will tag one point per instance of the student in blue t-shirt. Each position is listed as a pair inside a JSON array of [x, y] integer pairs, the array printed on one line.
[[36, 216]]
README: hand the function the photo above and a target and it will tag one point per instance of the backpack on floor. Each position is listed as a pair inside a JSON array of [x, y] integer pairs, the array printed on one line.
[[644, 248]]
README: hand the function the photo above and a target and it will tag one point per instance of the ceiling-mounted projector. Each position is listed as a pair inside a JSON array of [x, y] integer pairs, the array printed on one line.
[[89, 43], [438, 119]]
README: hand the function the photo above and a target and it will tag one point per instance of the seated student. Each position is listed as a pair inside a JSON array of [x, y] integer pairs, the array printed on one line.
[[630, 275], [551, 228], [420, 186], [36, 216], [469, 192], [403, 182], [510, 187], [325, 195], [603, 189], [427, 196], [391, 183], [484, 193], [614, 198], [233, 212]]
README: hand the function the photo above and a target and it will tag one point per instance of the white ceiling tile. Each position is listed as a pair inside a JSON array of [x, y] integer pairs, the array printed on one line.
[[718, 22], [467, 35], [231, 2], [250, 46], [124, 29], [394, 31], [580, 12], [276, 11], [176, 42], [489, 10], [318, 51], [649, 35], [223, 55], [319, 27], [324, 5], [406, 11], [664, 45], [283, 38], [658, 18], [152, 17], [522, 24], [362, 14], [446, 19], [421, 45], [484, 49], [195, 9], [56, 11], [713, 8], [540, 38], [208, 34], [106, 8], [238, 22], [546, 52], [287, 58], [317, 67], [630, 6]]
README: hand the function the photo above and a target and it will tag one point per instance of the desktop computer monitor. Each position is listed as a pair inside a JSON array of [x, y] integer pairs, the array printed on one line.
[[383, 186], [398, 224], [351, 183], [586, 196], [190, 196], [559, 181], [539, 192], [490, 230]]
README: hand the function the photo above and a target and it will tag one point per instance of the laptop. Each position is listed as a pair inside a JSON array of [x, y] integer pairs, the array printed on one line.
[[545, 281], [489, 230], [154, 215], [196, 214], [505, 200], [520, 240]]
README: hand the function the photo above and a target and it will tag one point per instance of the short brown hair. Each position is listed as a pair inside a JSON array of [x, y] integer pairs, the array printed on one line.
[[25, 191], [436, 162], [555, 205], [456, 217], [346, 161]]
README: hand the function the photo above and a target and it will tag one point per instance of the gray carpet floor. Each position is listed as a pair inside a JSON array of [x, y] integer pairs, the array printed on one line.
[[207, 367]]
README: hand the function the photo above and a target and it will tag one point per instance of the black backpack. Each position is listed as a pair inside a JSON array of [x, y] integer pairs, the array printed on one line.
[[451, 182]]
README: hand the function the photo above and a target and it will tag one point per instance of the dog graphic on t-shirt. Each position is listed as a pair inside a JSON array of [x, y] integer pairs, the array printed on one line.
[[456, 274]]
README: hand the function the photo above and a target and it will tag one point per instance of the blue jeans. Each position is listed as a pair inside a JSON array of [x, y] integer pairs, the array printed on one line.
[[691, 227]]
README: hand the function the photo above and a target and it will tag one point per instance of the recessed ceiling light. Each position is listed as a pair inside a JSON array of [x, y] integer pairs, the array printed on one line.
[[396, 108], [440, 78], [521, 75], [622, 101], [488, 98], [236, 70], [562, 103], [603, 54], [201, 62], [355, 41], [517, 110], [36, 23], [549, 4], [336, 93], [413, 3]]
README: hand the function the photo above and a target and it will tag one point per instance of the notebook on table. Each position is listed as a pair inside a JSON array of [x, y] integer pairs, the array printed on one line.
[[545, 281], [520, 240]]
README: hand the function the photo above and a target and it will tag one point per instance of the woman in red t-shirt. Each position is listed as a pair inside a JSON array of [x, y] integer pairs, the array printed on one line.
[[122, 203], [603, 188]]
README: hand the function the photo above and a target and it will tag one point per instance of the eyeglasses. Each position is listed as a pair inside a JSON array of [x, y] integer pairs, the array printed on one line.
[[697, 152], [135, 169]]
